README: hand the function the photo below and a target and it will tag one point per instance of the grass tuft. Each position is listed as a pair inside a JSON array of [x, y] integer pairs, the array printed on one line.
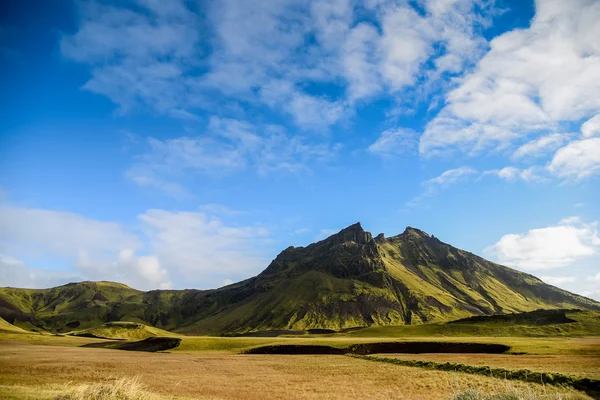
[[121, 389], [511, 394]]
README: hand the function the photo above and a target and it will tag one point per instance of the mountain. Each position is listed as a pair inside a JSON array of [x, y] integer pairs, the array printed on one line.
[[347, 280]]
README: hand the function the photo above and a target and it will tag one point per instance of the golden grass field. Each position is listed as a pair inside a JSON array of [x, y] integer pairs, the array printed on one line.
[[39, 366], [32, 371], [585, 366]]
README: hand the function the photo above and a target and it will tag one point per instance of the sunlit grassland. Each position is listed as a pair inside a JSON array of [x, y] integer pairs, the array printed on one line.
[[585, 366], [35, 365], [36, 372]]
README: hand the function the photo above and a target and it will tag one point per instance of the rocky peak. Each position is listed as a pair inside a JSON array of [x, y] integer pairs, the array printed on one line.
[[353, 233], [410, 231]]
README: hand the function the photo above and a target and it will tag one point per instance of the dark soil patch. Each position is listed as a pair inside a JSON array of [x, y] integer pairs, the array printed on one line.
[[296, 349], [385, 347], [73, 324], [99, 297], [321, 331], [152, 344]]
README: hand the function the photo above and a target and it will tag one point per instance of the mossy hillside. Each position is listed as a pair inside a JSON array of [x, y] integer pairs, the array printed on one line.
[[347, 280], [123, 330]]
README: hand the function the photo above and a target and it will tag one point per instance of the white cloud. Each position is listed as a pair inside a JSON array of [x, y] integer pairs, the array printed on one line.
[[540, 146], [141, 272], [558, 280], [451, 176], [447, 178], [197, 248], [545, 248], [577, 160], [59, 233], [175, 58], [529, 83], [393, 142], [591, 127], [169, 249], [228, 146], [511, 173], [15, 273], [596, 277], [94, 249], [138, 57], [592, 294]]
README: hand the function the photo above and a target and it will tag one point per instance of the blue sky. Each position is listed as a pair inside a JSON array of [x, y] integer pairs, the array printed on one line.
[[185, 143]]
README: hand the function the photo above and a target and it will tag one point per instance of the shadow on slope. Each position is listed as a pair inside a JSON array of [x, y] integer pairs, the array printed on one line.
[[537, 317]]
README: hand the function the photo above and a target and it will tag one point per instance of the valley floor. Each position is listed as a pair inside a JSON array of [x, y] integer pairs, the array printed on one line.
[[39, 367]]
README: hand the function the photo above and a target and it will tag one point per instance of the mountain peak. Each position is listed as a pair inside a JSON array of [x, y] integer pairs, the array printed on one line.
[[353, 233], [415, 232]]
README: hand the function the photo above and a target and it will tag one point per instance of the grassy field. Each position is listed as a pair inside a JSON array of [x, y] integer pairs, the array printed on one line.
[[584, 346], [39, 365], [29, 371]]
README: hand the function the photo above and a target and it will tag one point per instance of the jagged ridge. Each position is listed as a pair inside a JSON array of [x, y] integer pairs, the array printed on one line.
[[347, 280]]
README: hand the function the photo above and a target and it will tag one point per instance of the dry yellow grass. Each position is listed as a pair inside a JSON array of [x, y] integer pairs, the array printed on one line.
[[575, 365], [24, 366]]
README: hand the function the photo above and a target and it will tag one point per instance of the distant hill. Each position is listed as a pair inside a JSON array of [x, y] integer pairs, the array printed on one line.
[[122, 330], [347, 280]]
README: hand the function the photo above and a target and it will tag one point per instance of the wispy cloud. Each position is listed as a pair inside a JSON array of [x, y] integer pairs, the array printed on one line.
[[511, 173], [140, 57], [540, 146], [175, 59], [432, 186], [228, 145], [395, 142]]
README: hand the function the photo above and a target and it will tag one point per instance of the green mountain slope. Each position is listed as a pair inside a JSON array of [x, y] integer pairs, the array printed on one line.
[[347, 280]]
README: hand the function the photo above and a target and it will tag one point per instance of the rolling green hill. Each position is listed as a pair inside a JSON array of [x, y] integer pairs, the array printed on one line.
[[347, 280], [122, 330]]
